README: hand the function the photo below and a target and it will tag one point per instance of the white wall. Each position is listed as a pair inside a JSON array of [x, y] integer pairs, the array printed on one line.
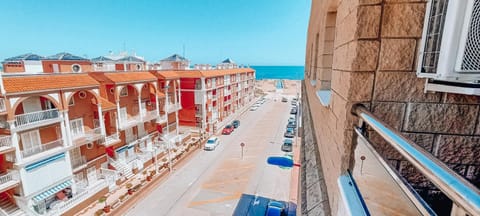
[[41, 178]]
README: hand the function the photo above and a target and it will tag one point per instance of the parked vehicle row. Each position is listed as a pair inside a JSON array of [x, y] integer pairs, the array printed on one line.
[[258, 104]]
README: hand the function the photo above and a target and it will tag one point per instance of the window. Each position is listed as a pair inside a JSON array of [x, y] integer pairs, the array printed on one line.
[[49, 105], [30, 141], [323, 74], [124, 92], [71, 102], [123, 114], [76, 127]]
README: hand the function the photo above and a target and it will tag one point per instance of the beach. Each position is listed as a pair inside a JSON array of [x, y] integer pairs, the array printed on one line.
[[269, 86]]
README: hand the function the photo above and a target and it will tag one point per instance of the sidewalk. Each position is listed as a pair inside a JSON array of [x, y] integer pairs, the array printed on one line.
[[119, 196]]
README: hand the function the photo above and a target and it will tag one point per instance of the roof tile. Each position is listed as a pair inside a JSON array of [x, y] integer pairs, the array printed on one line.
[[20, 84]]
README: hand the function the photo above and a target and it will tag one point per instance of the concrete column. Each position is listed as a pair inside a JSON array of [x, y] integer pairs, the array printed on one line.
[[176, 106], [118, 115], [204, 95], [101, 120], [167, 106], [14, 136], [140, 111], [157, 106], [65, 130]]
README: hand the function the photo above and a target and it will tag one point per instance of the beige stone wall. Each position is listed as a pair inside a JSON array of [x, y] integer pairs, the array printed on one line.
[[371, 58]]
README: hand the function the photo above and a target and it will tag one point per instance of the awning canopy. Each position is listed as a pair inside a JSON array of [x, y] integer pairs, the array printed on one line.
[[52, 191]]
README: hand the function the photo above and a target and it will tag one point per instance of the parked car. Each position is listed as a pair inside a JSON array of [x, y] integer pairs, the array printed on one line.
[[291, 119], [291, 125], [287, 145], [290, 133], [275, 208], [236, 123], [293, 111], [212, 143], [253, 108], [227, 129], [284, 99]]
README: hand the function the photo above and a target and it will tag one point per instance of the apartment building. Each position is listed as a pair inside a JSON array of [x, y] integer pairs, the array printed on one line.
[[390, 108], [209, 96], [70, 136], [48, 122], [173, 62]]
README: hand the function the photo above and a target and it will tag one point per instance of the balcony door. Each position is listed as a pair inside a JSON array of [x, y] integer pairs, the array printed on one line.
[[31, 141], [91, 175], [76, 127], [123, 114], [31, 104]]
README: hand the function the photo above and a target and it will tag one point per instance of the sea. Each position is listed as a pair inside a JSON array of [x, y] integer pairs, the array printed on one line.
[[279, 72]]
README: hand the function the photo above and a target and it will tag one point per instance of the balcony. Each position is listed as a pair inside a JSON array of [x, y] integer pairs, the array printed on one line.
[[28, 152], [78, 162], [111, 140], [9, 180], [172, 107], [130, 138], [215, 97], [163, 118], [149, 115], [129, 122], [87, 137], [78, 198], [35, 119], [6, 144], [3, 108]]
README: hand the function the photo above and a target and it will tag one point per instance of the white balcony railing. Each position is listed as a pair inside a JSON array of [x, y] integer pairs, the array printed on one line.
[[130, 138], [36, 117], [10, 176], [41, 148], [3, 108], [111, 139], [149, 115], [78, 161], [163, 118], [131, 121], [5, 142], [88, 136]]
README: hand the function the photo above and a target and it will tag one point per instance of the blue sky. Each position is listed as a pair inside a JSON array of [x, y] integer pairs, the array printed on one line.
[[256, 32]]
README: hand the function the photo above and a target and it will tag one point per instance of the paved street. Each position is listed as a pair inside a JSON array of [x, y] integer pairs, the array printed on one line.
[[212, 182]]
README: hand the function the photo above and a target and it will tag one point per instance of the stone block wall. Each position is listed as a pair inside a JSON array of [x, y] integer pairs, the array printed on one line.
[[374, 58]]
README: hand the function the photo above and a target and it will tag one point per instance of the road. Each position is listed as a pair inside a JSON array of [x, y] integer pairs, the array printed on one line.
[[212, 182]]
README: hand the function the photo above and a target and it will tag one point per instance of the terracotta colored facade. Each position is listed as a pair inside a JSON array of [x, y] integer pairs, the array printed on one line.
[[210, 96], [83, 130], [366, 52]]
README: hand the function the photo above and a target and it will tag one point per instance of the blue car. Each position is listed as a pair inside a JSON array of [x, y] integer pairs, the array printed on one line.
[[275, 208]]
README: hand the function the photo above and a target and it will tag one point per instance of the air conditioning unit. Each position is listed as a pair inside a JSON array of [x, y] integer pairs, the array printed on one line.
[[450, 46]]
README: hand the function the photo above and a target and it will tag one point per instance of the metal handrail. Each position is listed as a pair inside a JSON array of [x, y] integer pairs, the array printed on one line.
[[459, 190]]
